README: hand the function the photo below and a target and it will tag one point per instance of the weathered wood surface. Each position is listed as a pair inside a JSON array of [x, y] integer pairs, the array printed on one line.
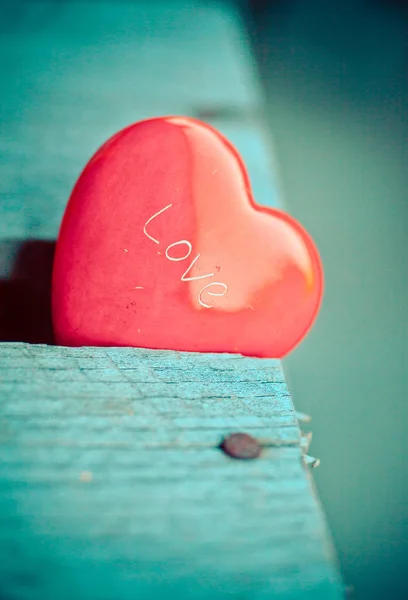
[[112, 485]]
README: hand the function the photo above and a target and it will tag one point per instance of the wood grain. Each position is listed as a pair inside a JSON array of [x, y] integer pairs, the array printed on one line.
[[112, 483]]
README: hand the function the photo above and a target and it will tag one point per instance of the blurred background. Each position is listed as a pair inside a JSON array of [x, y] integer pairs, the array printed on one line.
[[336, 79], [334, 75]]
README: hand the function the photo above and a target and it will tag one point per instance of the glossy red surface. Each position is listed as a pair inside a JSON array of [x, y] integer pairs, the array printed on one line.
[[162, 246]]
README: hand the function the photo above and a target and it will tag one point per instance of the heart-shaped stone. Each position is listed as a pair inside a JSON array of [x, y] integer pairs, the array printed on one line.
[[163, 246]]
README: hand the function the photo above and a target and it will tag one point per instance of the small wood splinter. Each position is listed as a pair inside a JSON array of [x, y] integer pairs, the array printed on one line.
[[305, 441], [311, 461], [303, 417]]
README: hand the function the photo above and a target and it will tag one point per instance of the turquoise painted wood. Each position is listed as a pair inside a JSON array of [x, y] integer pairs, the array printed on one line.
[[112, 484]]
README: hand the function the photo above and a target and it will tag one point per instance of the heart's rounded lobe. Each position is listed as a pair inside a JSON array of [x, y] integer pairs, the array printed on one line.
[[163, 246]]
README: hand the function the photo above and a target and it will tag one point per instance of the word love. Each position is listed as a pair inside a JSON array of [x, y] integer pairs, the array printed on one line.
[[186, 276]]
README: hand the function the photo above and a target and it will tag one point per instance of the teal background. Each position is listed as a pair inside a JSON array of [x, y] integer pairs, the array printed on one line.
[[337, 90]]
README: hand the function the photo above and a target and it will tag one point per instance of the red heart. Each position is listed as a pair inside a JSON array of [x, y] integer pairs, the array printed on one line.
[[162, 246]]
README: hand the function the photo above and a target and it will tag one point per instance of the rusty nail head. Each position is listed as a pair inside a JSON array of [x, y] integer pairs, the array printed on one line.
[[241, 445]]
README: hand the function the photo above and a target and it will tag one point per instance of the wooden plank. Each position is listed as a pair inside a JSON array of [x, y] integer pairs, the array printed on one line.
[[112, 484], [86, 71]]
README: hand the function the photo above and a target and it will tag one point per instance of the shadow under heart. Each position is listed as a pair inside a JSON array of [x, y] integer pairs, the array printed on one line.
[[25, 291]]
